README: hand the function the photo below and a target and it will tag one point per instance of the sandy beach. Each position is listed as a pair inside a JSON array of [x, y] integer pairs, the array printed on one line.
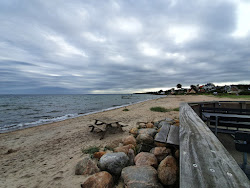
[[46, 155]]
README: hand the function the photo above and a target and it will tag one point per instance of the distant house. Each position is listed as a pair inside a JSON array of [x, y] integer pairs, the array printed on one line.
[[234, 90], [209, 87], [181, 91], [173, 92], [202, 90], [191, 91], [227, 88]]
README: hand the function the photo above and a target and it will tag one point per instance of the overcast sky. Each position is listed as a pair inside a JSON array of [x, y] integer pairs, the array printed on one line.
[[121, 46]]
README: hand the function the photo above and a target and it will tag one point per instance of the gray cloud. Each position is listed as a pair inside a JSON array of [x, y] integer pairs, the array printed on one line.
[[119, 46]]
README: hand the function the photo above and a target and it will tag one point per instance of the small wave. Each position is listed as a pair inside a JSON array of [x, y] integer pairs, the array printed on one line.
[[5, 105], [54, 111], [18, 108], [12, 127], [8, 109], [31, 114]]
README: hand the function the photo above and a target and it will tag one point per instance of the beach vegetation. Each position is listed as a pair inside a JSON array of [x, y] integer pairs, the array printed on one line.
[[234, 96], [176, 109], [159, 109], [125, 110], [91, 150], [108, 148], [244, 93], [162, 109], [226, 95]]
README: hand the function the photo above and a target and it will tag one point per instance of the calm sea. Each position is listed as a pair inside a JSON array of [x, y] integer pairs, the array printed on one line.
[[22, 111]]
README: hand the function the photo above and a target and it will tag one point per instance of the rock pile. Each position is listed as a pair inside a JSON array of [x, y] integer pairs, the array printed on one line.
[[139, 161]]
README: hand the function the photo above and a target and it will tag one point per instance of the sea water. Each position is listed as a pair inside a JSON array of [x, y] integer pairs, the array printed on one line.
[[22, 111]]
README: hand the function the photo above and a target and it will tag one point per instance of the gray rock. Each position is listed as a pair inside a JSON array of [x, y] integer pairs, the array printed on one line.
[[145, 139], [86, 167], [140, 177], [150, 131], [169, 120], [159, 124], [114, 162]]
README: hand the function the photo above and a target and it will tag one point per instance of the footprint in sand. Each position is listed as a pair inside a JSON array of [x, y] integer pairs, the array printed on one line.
[[57, 178]]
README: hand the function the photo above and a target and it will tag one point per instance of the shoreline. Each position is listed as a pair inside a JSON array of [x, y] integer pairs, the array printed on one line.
[[46, 155], [72, 117]]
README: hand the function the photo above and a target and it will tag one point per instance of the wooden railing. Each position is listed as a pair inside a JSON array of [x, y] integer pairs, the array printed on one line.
[[204, 162]]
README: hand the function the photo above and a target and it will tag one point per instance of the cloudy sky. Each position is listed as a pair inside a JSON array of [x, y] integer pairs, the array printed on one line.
[[122, 46]]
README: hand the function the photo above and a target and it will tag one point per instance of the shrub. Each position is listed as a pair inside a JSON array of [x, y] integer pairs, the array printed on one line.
[[125, 110], [176, 109], [108, 148], [159, 109], [162, 109], [91, 150], [244, 93]]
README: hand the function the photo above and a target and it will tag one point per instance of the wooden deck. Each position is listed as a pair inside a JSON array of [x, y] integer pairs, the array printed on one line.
[[204, 162]]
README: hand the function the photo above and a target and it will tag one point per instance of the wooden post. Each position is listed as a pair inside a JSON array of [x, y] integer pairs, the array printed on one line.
[[216, 125]]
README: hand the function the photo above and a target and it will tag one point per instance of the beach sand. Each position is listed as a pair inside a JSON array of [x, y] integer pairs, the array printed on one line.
[[46, 155]]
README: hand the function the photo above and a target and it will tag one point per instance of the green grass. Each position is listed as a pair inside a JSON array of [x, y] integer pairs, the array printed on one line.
[[162, 109], [108, 148], [125, 110], [176, 109], [91, 150], [231, 96], [159, 109], [234, 96]]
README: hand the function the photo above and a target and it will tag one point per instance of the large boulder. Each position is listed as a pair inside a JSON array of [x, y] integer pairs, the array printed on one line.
[[129, 140], [114, 162], [161, 153], [150, 131], [167, 171], [124, 149], [86, 167], [100, 180], [145, 158], [145, 139], [140, 177]]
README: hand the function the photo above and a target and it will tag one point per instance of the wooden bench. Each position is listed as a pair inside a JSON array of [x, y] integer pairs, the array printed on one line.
[[106, 125], [225, 121], [204, 162]]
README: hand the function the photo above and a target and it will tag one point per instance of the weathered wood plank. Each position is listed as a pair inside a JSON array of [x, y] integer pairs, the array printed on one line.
[[173, 135], [163, 134], [204, 162]]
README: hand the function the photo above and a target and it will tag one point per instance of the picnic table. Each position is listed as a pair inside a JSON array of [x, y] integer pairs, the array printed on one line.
[[104, 125]]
